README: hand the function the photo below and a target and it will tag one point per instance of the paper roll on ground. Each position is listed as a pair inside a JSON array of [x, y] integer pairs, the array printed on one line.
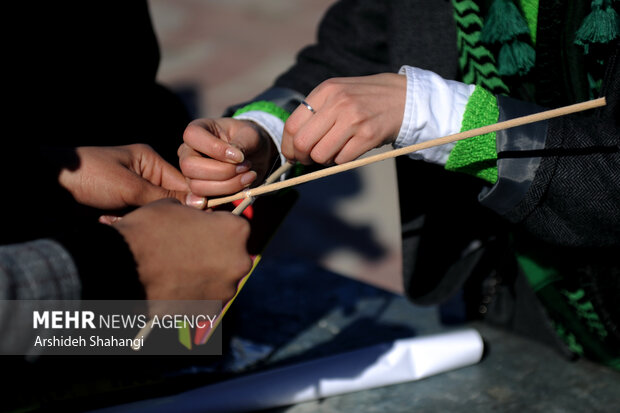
[[381, 365]]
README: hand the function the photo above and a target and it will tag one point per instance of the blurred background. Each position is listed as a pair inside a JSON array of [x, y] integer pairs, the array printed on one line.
[[218, 53]]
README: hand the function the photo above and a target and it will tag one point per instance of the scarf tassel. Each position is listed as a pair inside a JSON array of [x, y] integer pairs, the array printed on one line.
[[601, 26], [505, 25]]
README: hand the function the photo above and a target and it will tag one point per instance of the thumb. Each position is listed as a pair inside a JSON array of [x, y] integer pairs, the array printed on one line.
[[149, 193]]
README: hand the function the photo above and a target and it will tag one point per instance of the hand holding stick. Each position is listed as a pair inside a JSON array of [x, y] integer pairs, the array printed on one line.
[[264, 189]]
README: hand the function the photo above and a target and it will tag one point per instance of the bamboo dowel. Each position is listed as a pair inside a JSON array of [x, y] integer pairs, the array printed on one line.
[[270, 179], [553, 113], [243, 205]]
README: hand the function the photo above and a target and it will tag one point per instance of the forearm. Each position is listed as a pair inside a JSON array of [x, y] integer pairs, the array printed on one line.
[[540, 175], [434, 107]]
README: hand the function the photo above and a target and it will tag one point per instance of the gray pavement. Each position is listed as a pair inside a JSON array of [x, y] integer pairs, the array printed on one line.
[[293, 311]]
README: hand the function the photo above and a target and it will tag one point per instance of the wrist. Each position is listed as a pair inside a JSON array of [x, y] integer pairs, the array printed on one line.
[[477, 155], [434, 108], [263, 106], [398, 85], [267, 144], [64, 161], [269, 118]]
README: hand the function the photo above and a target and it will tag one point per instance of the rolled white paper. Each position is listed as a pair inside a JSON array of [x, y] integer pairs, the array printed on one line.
[[380, 365]]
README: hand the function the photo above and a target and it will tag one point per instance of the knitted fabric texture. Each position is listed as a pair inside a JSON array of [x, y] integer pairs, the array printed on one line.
[[264, 106], [506, 28], [602, 25], [477, 155], [476, 63]]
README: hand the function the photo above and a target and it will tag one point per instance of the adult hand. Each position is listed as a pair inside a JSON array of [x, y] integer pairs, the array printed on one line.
[[224, 156], [117, 177], [353, 115], [186, 254]]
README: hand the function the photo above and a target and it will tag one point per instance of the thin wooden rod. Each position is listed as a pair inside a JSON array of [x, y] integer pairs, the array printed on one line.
[[524, 120], [270, 179]]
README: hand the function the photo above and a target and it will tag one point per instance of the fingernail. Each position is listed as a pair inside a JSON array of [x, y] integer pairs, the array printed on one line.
[[109, 219], [243, 167], [234, 154], [248, 178], [195, 201]]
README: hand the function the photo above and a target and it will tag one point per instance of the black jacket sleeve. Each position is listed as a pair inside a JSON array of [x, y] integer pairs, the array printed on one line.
[[573, 199]]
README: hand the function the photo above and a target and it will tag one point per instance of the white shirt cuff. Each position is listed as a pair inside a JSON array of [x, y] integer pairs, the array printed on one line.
[[434, 108], [271, 124]]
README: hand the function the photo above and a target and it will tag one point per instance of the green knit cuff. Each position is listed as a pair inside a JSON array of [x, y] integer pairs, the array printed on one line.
[[477, 155], [264, 106]]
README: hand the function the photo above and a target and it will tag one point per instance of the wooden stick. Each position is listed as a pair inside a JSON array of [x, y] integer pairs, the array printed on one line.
[[270, 185], [553, 113], [270, 179], [243, 205]]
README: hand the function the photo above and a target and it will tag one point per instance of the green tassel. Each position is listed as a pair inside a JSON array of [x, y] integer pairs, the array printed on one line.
[[515, 58], [530, 14], [602, 25], [503, 23], [594, 86]]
